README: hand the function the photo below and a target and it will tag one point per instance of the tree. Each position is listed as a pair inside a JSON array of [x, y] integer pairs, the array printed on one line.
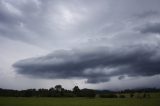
[[76, 90], [88, 93], [58, 88], [43, 92], [51, 92]]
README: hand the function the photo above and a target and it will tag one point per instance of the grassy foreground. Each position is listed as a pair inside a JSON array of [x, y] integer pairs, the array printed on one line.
[[19, 101]]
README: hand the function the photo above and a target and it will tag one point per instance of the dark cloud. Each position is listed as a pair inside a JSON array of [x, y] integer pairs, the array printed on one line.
[[13, 21], [121, 77], [30, 28], [146, 14], [151, 28], [7, 16], [96, 65]]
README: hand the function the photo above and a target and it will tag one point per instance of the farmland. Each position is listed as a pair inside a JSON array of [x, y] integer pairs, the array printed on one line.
[[79, 97], [44, 101]]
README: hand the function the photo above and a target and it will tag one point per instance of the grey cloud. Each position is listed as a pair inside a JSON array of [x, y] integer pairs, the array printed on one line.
[[24, 21], [51, 25], [151, 28], [12, 22], [96, 65], [7, 16], [147, 14], [121, 77], [45, 23]]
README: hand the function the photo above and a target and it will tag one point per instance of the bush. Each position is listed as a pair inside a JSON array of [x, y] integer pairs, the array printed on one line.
[[108, 95], [121, 96], [131, 95], [69, 95]]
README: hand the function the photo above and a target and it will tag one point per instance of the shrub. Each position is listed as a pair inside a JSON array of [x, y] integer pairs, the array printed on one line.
[[131, 95], [121, 96], [108, 95], [69, 95]]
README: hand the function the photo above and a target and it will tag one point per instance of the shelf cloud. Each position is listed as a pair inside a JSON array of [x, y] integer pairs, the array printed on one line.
[[96, 65]]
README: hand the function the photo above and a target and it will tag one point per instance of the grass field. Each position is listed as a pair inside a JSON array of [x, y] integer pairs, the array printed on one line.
[[19, 101]]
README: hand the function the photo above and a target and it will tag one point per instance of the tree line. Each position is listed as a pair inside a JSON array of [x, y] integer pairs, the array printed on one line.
[[59, 91]]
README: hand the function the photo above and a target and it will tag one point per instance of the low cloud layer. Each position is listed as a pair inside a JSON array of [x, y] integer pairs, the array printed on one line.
[[96, 65]]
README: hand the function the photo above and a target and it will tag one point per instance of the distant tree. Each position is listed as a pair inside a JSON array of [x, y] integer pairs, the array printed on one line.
[[68, 94], [43, 92], [29, 92], [88, 93], [76, 90], [58, 91], [58, 88], [51, 89], [51, 92]]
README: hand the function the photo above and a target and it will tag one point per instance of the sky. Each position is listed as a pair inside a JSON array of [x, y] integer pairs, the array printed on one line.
[[98, 44]]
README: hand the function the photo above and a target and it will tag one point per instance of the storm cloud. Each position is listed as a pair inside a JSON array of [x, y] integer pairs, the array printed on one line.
[[96, 65], [151, 28], [96, 41]]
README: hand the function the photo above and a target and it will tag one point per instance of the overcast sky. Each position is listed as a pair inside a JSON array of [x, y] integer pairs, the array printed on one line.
[[99, 44]]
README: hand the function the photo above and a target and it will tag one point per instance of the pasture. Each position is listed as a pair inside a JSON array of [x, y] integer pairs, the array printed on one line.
[[39, 101]]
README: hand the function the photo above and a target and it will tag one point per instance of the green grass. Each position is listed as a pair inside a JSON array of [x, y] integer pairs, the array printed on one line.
[[19, 101]]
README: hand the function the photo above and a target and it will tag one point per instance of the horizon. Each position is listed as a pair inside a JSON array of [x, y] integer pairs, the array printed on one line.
[[107, 44], [110, 90]]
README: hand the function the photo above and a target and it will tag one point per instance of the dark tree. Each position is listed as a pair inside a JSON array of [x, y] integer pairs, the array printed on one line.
[[88, 93], [58, 88], [76, 90]]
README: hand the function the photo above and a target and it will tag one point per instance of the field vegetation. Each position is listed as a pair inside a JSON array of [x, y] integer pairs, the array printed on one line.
[[34, 101], [59, 96]]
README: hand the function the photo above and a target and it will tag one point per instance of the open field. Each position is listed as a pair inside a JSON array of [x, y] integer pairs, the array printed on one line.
[[19, 101]]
